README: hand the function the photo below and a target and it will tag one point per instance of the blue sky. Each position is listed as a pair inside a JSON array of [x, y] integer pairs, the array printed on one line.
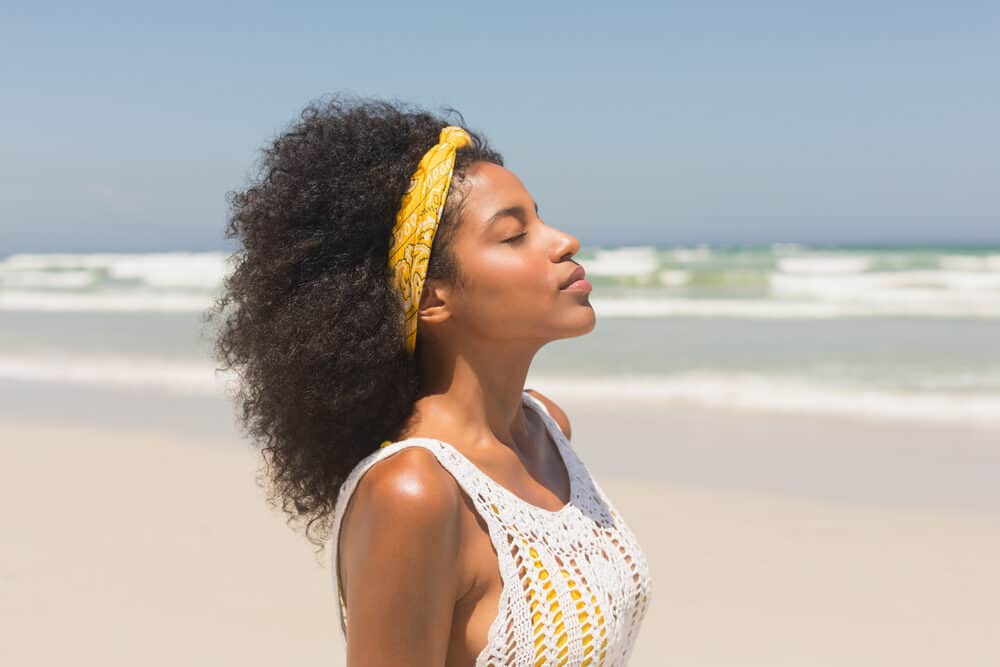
[[848, 122]]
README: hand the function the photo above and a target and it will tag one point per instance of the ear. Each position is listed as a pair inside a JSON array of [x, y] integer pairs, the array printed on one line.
[[434, 300]]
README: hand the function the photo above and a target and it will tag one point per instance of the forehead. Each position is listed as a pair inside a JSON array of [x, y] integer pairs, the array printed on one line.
[[489, 187]]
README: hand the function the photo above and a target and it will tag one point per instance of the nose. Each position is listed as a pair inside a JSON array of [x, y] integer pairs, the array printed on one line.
[[567, 246]]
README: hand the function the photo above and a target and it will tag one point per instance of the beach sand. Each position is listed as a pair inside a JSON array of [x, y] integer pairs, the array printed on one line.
[[128, 546]]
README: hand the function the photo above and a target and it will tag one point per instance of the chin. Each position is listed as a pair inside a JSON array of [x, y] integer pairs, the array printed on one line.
[[584, 324]]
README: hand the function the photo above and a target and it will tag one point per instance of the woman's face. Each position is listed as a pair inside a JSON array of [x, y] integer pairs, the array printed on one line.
[[513, 265]]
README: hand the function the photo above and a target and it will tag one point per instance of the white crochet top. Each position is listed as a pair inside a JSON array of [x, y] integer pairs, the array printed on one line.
[[576, 584]]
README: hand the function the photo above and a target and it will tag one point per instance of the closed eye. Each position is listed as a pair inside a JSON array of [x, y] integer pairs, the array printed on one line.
[[516, 239]]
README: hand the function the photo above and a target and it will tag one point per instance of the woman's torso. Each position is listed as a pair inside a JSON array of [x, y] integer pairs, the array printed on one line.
[[554, 583]]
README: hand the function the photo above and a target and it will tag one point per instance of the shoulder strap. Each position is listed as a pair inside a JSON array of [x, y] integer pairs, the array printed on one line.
[[570, 459], [575, 466], [547, 417]]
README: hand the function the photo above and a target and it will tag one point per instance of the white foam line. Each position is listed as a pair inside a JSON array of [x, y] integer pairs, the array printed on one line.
[[145, 301], [825, 264], [135, 301], [742, 391], [189, 378], [785, 396], [788, 308]]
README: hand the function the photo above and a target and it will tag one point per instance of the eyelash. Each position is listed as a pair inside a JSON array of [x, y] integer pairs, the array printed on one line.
[[515, 239]]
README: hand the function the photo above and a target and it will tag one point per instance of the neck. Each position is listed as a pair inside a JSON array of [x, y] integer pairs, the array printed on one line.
[[475, 397]]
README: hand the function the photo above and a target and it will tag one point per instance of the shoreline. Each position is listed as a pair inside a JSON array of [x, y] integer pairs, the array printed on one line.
[[870, 462]]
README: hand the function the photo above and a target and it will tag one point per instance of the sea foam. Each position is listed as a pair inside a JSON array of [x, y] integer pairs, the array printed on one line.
[[757, 392]]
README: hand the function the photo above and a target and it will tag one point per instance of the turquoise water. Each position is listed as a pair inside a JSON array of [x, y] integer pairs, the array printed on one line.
[[900, 333]]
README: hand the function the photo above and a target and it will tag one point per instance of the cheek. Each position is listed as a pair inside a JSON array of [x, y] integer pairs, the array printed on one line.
[[508, 274], [509, 281]]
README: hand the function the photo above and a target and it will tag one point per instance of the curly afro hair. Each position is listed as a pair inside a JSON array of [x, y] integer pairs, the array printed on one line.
[[308, 316]]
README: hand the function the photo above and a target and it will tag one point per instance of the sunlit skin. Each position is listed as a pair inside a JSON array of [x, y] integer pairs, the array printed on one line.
[[419, 572], [478, 342]]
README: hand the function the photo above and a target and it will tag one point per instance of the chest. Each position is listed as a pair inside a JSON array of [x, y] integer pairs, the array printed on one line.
[[561, 585]]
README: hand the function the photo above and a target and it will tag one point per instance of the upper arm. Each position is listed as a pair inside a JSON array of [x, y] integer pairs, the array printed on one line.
[[400, 548], [557, 413]]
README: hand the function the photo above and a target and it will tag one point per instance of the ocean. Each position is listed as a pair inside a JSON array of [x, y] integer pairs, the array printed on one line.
[[898, 333]]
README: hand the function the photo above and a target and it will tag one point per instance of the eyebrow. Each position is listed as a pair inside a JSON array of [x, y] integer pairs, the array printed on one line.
[[515, 211]]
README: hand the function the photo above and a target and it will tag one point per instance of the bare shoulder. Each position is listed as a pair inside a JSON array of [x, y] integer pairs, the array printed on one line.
[[410, 484], [400, 546], [558, 414], [402, 503]]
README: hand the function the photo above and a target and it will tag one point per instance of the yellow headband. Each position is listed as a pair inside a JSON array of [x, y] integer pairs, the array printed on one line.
[[417, 221]]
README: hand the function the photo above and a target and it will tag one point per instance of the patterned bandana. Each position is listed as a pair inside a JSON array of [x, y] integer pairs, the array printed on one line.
[[417, 222]]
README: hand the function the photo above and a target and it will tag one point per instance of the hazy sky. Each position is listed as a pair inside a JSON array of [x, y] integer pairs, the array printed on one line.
[[857, 122]]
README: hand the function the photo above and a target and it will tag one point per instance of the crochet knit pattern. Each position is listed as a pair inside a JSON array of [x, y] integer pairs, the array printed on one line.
[[576, 584]]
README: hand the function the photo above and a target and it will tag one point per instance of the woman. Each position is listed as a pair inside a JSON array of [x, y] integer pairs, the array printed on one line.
[[463, 528]]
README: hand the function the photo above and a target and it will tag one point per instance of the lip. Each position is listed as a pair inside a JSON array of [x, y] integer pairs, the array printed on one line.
[[575, 279]]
